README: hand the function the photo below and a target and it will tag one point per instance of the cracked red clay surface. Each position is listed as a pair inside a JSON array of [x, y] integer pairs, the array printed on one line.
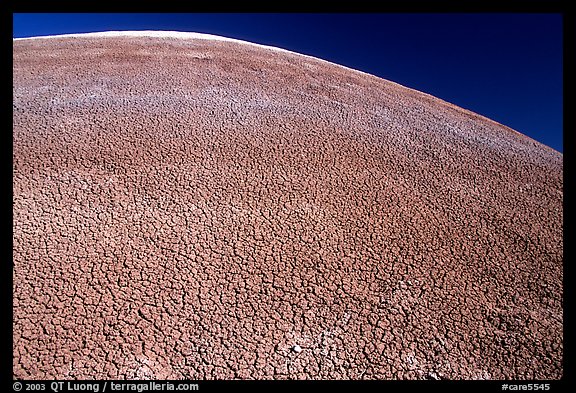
[[196, 209]]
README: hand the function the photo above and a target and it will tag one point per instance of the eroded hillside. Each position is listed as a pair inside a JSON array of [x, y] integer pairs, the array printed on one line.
[[189, 208]]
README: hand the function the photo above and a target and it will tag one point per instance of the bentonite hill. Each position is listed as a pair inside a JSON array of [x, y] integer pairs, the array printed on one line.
[[187, 207]]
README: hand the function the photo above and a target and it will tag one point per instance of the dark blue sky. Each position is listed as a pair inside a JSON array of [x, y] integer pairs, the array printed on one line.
[[507, 67]]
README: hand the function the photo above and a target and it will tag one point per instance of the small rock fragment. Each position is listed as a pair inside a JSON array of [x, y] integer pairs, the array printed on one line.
[[433, 375], [297, 348]]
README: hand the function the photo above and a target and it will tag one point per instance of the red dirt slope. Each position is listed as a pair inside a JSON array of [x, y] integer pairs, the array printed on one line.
[[189, 208]]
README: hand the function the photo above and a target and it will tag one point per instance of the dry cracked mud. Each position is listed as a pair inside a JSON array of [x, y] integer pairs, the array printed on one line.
[[189, 208]]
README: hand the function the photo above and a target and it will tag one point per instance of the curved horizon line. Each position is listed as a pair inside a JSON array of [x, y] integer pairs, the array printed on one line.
[[213, 37], [182, 35]]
